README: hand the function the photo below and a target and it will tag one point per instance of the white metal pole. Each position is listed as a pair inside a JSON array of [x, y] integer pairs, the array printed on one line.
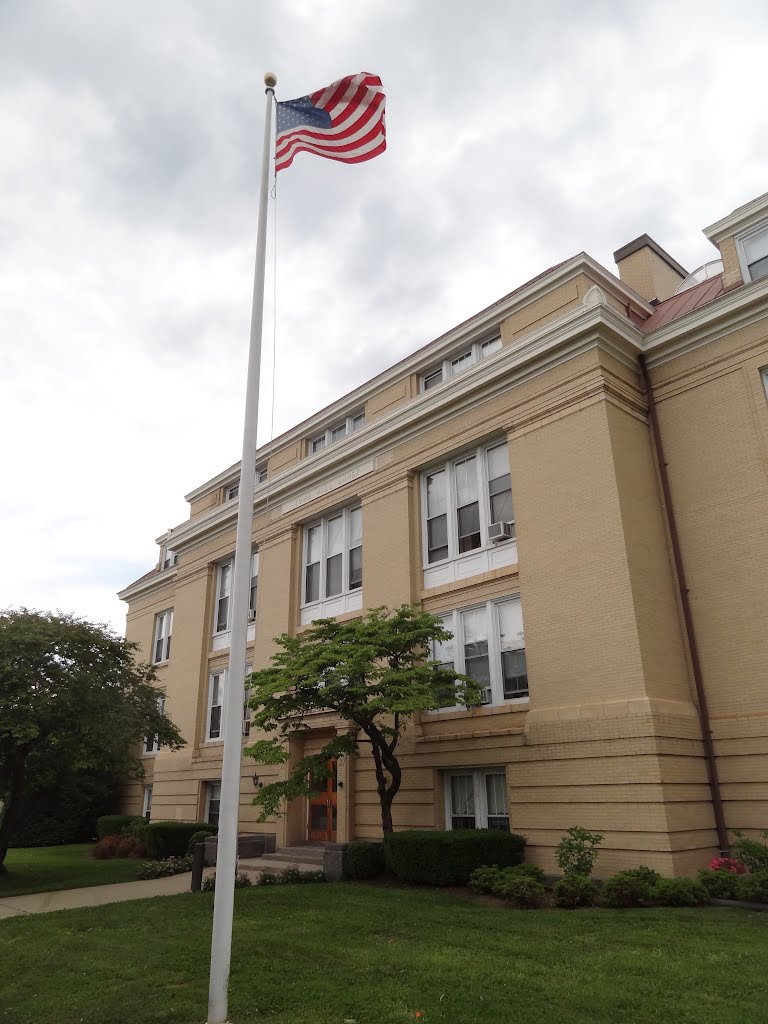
[[221, 940]]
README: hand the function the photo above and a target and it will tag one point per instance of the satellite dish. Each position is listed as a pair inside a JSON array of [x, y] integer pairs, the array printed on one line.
[[703, 273]]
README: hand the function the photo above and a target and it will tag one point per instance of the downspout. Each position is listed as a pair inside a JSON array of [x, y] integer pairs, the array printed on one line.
[[690, 633]]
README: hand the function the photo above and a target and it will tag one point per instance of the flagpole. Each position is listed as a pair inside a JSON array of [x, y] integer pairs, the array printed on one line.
[[226, 857]]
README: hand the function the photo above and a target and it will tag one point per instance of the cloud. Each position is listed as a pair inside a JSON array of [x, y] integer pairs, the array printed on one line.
[[518, 134]]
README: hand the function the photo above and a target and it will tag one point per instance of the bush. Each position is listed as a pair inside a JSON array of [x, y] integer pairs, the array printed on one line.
[[752, 853], [171, 838], [106, 847], [721, 884], [197, 837], [138, 829], [522, 892], [680, 892], [116, 824], [242, 881], [62, 805], [646, 874], [731, 864], [363, 860], [449, 858], [492, 879], [753, 887], [290, 876], [627, 889], [574, 891], [577, 852], [127, 846], [164, 868]]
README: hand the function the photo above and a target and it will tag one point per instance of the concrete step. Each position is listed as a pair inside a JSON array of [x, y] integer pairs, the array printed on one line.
[[297, 855], [274, 865]]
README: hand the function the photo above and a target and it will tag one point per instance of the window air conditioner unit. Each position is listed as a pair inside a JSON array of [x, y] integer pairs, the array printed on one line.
[[500, 531], [485, 695]]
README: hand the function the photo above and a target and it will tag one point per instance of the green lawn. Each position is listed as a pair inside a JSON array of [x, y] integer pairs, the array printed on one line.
[[45, 869], [330, 954]]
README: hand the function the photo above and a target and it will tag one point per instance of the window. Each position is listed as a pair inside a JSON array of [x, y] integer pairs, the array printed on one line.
[[233, 490], [168, 557], [146, 808], [752, 249], [333, 555], [216, 689], [488, 645], [212, 802], [254, 586], [161, 648], [476, 798], [463, 499], [335, 433], [458, 363], [151, 744], [222, 620], [215, 705]]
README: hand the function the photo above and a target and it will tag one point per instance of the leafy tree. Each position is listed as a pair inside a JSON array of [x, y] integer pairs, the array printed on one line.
[[374, 673], [71, 694]]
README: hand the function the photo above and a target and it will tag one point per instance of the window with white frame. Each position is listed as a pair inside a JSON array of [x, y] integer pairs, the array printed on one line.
[[333, 555], [463, 499], [222, 619], [168, 557], [233, 490], [146, 808], [488, 645], [476, 798], [161, 646], [217, 685], [461, 361], [335, 432], [752, 249], [212, 802], [764, 375], [151, 743]]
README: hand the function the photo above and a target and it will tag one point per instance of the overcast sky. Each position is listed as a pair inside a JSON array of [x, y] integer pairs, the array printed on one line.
[[130, 134]]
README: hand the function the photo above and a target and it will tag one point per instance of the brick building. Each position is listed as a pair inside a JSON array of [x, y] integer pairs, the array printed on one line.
[[508, 475]]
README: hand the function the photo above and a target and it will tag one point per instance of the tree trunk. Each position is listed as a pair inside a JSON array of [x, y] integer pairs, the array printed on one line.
[[12, 807], [384, 758]]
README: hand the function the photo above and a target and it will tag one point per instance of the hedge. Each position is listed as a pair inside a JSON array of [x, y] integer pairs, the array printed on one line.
[[363, 860], [449, 858], [171, 838], [113, 824]]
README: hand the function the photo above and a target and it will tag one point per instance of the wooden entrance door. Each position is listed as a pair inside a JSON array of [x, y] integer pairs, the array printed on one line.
[[321, 823]]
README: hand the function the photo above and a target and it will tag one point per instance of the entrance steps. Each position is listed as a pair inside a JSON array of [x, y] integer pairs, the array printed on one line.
[[305, 858]]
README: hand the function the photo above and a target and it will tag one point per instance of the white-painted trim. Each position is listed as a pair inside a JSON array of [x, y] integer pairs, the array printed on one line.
[[416, 363], [739, 220], [758, 229], [348, 599], [480, 795]]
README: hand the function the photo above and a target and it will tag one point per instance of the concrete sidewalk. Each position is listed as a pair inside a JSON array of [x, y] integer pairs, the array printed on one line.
[[93, 896]]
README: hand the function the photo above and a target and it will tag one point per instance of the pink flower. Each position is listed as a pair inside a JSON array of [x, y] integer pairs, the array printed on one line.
[[727, 864]]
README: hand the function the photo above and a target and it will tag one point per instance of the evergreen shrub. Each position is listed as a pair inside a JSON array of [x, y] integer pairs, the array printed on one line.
[[363, 860], [680, 892], [116, 824], [574, 891], [171, 838], [753, 887], [627, 889], [449, 858]]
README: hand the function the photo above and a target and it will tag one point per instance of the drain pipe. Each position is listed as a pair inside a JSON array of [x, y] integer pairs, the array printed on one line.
[[690, 633]]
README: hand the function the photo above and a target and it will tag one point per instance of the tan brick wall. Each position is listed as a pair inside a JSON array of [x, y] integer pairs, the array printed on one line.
[[610, 739], [649, 275]]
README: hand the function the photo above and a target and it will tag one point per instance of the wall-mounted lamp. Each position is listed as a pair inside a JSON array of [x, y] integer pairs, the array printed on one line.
[[340, 785], [257, 783]]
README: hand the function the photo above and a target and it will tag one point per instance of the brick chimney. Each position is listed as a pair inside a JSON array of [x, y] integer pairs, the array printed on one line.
[[648, 269]]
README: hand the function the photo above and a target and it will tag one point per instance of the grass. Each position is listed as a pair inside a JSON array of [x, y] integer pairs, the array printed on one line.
[[46, 869], [330, 954]]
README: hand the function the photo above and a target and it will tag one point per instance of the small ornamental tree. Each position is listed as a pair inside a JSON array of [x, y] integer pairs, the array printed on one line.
[[73, 699], [374, 673]]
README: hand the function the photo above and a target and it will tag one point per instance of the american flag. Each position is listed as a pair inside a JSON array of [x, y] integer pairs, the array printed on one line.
[[343, 122]]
